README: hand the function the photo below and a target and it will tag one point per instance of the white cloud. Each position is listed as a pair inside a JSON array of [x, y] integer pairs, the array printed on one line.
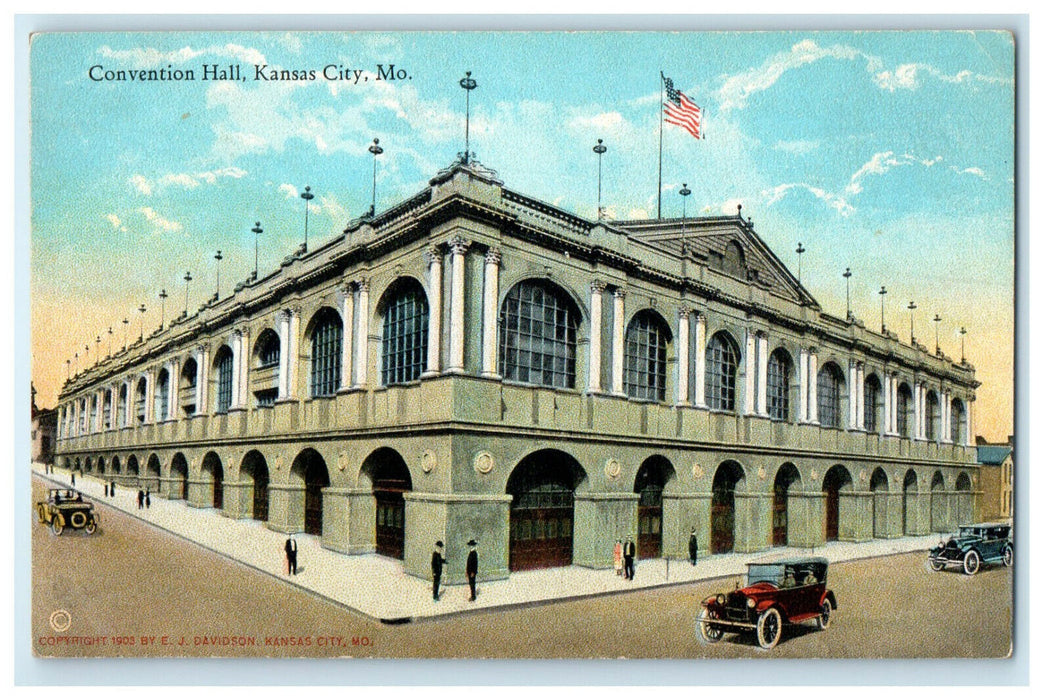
[[879, 164], [907, 77], [977, 172], [116, 222], [796, 147], [833, 200], [181, 179], [159, 221], [290, 191], [592, 122], [141, 184]]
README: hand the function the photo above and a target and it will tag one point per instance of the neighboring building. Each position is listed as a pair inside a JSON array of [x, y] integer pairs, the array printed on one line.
[[475, 363], [43, 430], [996, 481]]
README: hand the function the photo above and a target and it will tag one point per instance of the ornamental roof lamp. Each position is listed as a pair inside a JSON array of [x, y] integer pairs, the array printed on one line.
[[685, 192], [142, 314], [467, 83], [600, 149], [963, 358], [937, 346], [847, 275], [163, 295], [257, 229], [187, 278], [307, 196], [882, 318], [912, 322], [375, 149], [218, 258]]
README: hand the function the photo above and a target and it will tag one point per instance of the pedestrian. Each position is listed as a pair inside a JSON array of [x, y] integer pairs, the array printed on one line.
[[472, 567], [618, 558], [112, 488], [72, 478], [142, 498], [629, 559], [436, 567], [291, 549], [147, 499], [693, 547], [105, 488]]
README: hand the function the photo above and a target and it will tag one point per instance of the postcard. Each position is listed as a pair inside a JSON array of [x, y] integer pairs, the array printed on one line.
[[523, 344]]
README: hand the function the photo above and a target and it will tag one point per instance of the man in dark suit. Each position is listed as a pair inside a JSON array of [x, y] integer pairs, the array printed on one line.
[[436, 567], [693, 547], [472, 566], [291, 550], [629, 559]]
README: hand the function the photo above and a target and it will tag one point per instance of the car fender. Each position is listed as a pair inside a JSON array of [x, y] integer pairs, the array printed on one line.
[[964, 551], [831, 597], [57, 515], [764, 605]]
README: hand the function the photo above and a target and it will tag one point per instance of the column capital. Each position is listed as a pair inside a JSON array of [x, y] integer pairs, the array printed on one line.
[[597, 286], [347, 289], [684, 312], [492, 256], [433, 254], [459, 245], [362, 284], [619, 293]]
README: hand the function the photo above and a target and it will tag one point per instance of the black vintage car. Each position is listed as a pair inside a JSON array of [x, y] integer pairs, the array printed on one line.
[[67, 508], [972, 546], [788, 591]]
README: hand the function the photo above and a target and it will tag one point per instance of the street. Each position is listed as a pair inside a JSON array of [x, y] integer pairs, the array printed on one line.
[[134, 590]]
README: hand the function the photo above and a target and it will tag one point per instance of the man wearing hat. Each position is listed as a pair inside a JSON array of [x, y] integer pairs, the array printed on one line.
[[472, 566], [436, 566]]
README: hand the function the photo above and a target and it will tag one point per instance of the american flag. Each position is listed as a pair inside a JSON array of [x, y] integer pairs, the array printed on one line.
[[681, 110]]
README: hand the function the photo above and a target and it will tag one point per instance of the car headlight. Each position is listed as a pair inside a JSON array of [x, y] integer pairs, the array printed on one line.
[[720, 599], [751, 602]]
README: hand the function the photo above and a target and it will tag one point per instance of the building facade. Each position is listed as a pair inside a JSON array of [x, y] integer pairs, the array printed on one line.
[[477, 364], [996, 481], [43, 429]]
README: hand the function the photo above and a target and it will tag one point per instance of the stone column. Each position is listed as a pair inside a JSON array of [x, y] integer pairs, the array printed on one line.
[[246, 353], [346, 377], [236, 345], [852, 395], [456, 319], [812, 388], [682, 357], [967, 439], [99, 399], [361, 315], [920, 401], [946, 431], [763, 357], [748, 405], [202, 381], [283, 359], [595, 348], [617, 360], [490, 319], [891, 410], [700, 345], [434, 320], [293, 354], [804, 386], [150, 398]]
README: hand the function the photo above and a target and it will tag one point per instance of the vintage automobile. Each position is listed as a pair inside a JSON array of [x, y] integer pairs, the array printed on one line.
[[972, 546], [789, 591], [67, 508]]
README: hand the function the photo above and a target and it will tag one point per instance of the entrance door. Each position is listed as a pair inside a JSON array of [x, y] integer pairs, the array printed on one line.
[[651, 515], [832, 514], [390, 520], [780, 524], [722, 521], [542, 529], [312, 514], [217, 488], [260, 498]]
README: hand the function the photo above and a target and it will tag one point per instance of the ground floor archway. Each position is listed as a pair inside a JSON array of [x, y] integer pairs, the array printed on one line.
[[180, 473], [836, 480], [255, 468], [879, 489], [541, 489], [786, 482], [309, 466], [390, 482], [724, 506], [909, 504], [650, 481], [212, 470]]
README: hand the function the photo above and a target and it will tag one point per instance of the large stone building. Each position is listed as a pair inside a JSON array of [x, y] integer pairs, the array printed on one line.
[[475, 363]]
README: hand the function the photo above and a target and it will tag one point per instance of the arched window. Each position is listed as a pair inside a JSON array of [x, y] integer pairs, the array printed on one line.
[[224, 372], [871, 406], [932, 418], [326, 350], [645, 357], [956, 420], [777, 371], [904, 404], [735, 260], [405, 333], [140, 401], [268, 349], [720, 373], [162, 394], [829, 388], [538, 335]]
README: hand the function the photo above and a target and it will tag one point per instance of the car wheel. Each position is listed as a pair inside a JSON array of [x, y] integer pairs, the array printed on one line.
[[78, 520], [91, 527], [825, 618], [706, 634], [935, 565], [971, 563], [1009, 555], [41, 513], [56, 525], [768, 628]]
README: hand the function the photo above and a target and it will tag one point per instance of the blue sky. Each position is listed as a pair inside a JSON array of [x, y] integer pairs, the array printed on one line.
[[889, 152]]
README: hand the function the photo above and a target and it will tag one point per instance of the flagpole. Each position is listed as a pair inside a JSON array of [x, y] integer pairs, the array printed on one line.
[[660, 145]]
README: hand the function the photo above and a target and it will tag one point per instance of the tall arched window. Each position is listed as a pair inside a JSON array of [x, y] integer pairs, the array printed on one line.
[[871, 406], [405, 333], [777, 371], [326, 350], [904, 404], [720, 373], [268, 348], [538, 335], [829, 388], [645, 357], [932, 418], [162, 394], [224, 373], [956, 420]]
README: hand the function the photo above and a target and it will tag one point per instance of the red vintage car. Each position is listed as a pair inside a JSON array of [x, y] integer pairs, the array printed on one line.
[[789, 591]]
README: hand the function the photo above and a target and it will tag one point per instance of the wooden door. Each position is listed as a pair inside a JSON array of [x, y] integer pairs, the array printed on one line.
[[260, 497], [390, 523], [722, 521]]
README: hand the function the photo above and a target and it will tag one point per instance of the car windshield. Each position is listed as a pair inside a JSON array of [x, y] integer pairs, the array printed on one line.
[[771, 573]]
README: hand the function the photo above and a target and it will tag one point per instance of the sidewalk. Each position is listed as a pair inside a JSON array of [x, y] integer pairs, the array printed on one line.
[[393, 596]]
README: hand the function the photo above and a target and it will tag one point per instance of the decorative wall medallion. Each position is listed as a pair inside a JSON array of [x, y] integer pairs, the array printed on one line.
[[813, 474], [762, 472], [428, 461], [483, 462], [897, 476], [612, 468], [698, 471], [342, 461], [280, 462], [861, 475]]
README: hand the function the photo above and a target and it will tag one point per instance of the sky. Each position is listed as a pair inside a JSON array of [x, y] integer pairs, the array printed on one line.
[[891, 153]]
